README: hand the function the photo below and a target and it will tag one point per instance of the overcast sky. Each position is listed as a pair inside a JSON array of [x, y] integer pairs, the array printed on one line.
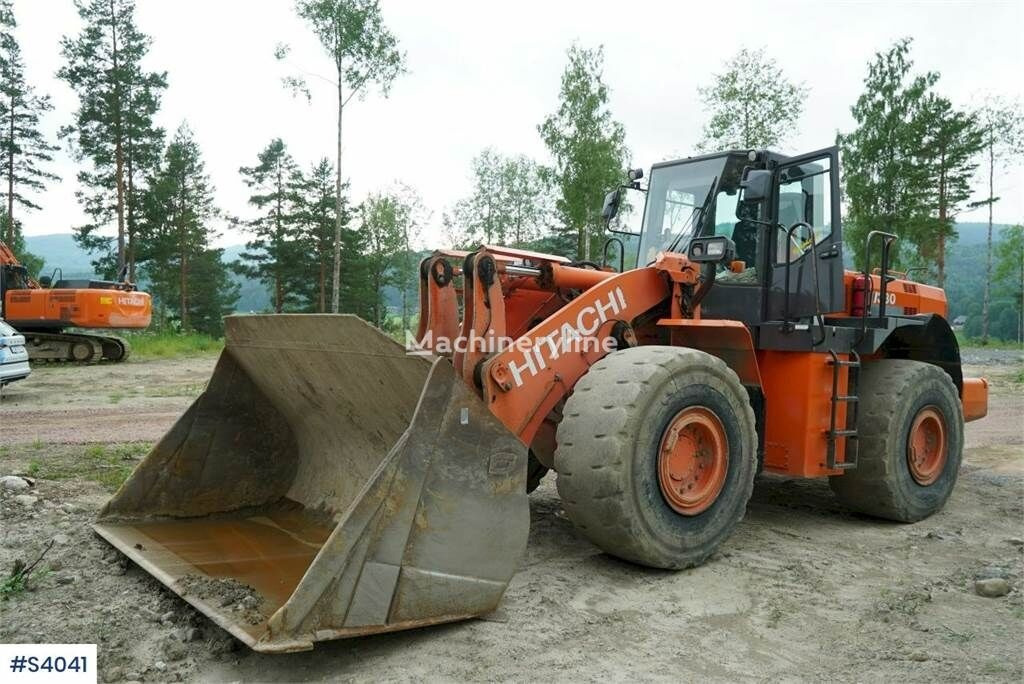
[[486, 73]]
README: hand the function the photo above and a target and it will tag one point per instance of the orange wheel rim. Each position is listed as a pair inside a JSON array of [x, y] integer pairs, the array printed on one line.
[[926, 446], [693, 458]]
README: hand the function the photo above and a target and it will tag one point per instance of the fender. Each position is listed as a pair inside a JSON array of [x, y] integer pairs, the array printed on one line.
[[727, 339], [926, 338]]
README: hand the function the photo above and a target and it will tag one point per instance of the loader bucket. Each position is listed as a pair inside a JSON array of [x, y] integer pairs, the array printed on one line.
[[326, 485]]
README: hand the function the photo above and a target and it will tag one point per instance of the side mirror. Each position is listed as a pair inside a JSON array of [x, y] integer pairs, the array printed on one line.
[[611, 204], [756, 185]]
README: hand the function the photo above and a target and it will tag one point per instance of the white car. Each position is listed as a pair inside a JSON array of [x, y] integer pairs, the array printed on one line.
[[13, 355]]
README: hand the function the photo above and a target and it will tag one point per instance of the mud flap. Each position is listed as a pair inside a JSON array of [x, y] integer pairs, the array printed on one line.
[[327, 485]]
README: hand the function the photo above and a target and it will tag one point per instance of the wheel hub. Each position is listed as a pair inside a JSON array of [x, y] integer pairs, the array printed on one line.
[[81, 351], [693, 458], [926, 446]]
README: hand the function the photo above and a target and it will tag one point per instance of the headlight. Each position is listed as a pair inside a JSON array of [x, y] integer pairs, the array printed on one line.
[[711, 249]]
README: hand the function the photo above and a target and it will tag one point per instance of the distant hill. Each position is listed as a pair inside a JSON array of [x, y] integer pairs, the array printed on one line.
[[59, 250], [253, 295], [977, 233], [964, 284]]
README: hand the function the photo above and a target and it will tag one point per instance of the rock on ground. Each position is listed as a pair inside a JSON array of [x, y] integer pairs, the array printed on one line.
[[14, 483], [992, 587]]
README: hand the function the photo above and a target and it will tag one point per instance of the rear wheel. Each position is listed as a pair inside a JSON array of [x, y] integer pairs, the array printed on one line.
[[911, 442], [656, 455]]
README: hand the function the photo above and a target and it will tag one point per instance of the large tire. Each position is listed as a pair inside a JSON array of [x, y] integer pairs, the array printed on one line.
[[610, 443], [890, 480]]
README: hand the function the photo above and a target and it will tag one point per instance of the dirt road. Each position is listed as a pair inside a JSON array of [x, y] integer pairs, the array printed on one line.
[[105, 403], [803, 590]]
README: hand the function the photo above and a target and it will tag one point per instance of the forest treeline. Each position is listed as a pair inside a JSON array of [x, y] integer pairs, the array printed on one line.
[[912, 162]]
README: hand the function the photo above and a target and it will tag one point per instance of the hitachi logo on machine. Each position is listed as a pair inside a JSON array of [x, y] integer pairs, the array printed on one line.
[[568, 338], [131, 300]]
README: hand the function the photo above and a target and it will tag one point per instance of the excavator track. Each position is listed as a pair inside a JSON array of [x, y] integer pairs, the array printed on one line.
[[61, 347]]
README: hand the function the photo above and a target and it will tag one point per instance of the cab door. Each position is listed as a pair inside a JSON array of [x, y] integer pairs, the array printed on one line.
[[806, 189]]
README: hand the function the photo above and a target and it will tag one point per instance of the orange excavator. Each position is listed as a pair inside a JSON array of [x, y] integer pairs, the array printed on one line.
[[42, 311]]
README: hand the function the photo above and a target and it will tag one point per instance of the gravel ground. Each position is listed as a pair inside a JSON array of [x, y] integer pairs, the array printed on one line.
[[804, 590], [986, 356]]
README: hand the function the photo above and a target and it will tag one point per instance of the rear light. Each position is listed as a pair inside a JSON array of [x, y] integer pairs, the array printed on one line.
[[858, 298]]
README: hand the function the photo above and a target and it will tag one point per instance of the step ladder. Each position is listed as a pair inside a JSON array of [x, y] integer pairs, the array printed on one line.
[[852, 401]]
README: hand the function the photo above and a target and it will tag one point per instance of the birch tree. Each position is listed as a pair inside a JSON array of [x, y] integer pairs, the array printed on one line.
[[1002, 126], [589, 149], [363, 52], [752, 104]]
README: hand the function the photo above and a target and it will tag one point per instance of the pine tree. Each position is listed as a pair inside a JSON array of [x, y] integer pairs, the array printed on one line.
[[213, 293], [34, 264], [23, 147], [314, 216], [113, 127], [949, 150], [357, 295], [887, 188], [186, 273], [589, 149], [275, 255]]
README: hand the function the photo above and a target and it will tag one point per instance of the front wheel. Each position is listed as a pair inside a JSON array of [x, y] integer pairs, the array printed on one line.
[[656, 455]]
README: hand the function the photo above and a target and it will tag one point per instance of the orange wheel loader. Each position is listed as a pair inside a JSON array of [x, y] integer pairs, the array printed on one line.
[[343, 484], [42, 312]]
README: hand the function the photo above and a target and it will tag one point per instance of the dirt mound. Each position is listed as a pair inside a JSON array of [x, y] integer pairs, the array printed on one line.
[[227, 593]]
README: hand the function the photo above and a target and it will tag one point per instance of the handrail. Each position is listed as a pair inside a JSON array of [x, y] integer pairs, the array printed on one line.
[[814, 274], [884, 278], [622, 253]]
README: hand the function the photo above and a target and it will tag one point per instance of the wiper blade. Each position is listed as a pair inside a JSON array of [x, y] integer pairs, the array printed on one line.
[[702, 208]]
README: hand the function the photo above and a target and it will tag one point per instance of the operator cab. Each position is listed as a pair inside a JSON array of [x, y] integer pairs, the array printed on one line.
[[12, 277], [708, 195]]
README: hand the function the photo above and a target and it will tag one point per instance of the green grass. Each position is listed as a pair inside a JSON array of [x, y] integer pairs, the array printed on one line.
[[187, 390], [168, 345], [23, 574], [965, 341], [19, 581], [109, 465]]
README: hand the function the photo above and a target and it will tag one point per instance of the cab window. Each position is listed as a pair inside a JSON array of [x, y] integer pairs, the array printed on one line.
[[734, 221], [805, 195]]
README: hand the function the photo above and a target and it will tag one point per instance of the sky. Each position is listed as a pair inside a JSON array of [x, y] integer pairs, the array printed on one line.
[[487, 73]]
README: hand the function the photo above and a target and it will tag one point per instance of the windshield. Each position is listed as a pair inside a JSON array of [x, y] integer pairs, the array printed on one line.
[[675, 197]]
